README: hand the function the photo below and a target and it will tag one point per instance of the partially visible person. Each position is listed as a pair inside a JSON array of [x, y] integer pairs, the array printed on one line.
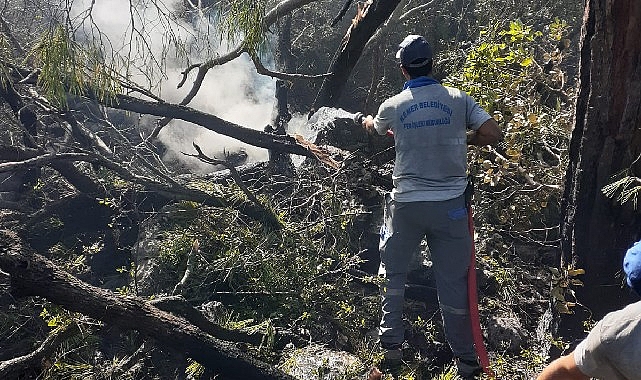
[[612, 349]]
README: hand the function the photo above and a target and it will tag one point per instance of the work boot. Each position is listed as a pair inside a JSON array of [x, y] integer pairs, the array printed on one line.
[[468, 369]]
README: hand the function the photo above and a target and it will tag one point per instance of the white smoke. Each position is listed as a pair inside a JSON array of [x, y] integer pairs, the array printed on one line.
[[233, 91]]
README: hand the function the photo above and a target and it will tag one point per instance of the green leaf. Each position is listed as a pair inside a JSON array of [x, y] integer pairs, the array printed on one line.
[[527, 62]]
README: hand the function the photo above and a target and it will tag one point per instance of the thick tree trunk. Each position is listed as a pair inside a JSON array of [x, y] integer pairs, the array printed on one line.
[[34, 275], [358, 35], [606, 140]]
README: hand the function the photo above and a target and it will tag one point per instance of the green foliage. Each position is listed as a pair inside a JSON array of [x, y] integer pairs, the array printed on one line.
[[71, 260], [68, 68], [72, 358], [194, 370], [55, 316], [243, 20], [499, 68], [297, 276], [520, 180], [624, 187]]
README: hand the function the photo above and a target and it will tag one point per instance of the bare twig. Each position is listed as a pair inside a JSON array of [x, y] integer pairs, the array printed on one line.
[[232, 170], [178, 289], [260, 69]]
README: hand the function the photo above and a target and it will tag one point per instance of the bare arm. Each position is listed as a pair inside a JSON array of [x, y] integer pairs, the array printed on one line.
[[488, 134], [563, 368]]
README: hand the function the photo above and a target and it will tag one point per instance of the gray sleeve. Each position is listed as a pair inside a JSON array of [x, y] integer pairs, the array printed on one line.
[[590, 356], [586, 354], [384, 118], [476, 115]]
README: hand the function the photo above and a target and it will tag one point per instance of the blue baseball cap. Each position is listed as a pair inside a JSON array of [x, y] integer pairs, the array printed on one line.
[[632, 267], [414, 51]]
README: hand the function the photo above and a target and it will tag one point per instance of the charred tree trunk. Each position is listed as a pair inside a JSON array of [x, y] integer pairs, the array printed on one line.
[[281, 162], [34, 275], [361, 30], [606, 140]]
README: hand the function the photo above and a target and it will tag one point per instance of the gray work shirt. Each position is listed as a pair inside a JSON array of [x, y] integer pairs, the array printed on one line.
[[429, 124], [612, 350]]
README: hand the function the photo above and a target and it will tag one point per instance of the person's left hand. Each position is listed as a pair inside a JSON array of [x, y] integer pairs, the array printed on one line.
[[368, 123]]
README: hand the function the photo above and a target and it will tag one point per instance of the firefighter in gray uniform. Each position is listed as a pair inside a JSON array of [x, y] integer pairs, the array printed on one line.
[[432, 125]]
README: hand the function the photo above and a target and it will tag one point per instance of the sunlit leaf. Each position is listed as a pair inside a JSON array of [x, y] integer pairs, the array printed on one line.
[[575, 272]]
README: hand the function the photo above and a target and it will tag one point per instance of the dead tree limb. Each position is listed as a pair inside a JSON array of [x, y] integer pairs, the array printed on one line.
[[268, 215], [341, 13], [261, 69], [282, 143], [14, 368], [281, 9], [34, 275], [232, 171], [171, 191], [179, 306], [362, 28]]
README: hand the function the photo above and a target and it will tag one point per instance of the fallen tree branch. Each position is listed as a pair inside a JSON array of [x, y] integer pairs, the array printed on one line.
[[232, 171], [268, 214], [284, 143], [34, 275], [14, 368], [170, 191], [173, 192], [179, 306]]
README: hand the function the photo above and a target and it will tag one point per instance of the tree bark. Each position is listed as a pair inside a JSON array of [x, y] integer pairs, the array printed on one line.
[[34, 275], [250, 136], [596, 230], [280, 162], [16, 367], [358, 35]]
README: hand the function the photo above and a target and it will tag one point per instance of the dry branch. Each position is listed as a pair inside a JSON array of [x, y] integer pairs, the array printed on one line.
[[284, 143], [357, 36], [34, 275], [179, 306], [261, 69], [14, 368], [281, 9]]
